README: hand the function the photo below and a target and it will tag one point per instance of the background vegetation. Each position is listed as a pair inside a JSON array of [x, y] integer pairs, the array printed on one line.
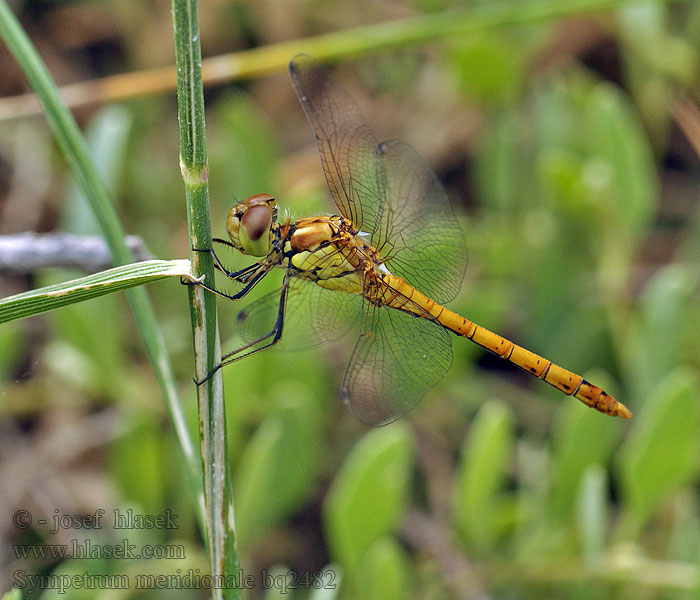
[[567, 147]]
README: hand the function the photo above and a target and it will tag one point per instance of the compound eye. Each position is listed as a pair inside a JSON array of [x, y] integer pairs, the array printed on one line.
[[256, 221], [259, 199]]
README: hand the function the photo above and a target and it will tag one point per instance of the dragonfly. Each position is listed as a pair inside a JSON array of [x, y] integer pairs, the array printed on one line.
[[388, 261]]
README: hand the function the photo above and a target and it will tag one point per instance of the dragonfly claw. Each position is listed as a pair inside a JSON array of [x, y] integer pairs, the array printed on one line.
[[199, 382]]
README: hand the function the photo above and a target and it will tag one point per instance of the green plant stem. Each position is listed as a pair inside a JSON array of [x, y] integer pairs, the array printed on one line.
[[75, 151], [212, 414]]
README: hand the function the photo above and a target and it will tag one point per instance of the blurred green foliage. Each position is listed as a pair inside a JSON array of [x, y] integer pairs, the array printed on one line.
[[279, 463], [477, 504], [568, 212], [371, 489]]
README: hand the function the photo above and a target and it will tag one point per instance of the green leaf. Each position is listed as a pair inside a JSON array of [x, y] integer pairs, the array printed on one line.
[[665, 306], [564, 164], [13, 594], [78, 290], [595, 159], [369, 494], [385, 571], [560, 171], [592, 512], [107, 133], [583, 437], [278, 466], [621, 155], [481, 474], [661, 453]]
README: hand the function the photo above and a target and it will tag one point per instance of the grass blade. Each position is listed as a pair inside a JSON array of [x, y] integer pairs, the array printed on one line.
[[118, 279]]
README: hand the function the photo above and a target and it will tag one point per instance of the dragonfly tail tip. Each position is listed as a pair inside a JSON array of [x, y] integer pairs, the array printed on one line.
[[622, 411]]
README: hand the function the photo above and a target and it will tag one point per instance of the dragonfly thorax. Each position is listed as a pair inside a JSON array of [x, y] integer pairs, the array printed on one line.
[[327, 251]]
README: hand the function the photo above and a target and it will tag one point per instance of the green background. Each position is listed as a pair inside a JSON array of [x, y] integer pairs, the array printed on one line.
[[561, 146]]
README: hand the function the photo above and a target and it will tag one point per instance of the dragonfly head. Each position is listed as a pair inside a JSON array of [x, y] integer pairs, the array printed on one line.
[[250, 224]]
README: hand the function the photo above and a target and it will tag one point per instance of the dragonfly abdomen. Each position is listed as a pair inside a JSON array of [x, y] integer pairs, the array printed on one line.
[[562, 379], [410, 299]]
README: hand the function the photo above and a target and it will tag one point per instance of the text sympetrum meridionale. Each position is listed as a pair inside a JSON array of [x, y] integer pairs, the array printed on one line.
[[390, 259]]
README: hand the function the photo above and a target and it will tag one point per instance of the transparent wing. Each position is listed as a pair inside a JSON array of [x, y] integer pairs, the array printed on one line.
[[385, 189], [417, 232], [397, 359], [347, 146], [313, 316]]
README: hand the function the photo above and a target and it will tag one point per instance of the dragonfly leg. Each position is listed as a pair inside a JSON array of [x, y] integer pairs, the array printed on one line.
[[237, 275], [274, 336], [250, 284], [223, 242], [185, 281]]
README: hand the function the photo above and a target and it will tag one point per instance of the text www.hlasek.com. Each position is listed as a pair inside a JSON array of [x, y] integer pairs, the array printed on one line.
[[80, 549]]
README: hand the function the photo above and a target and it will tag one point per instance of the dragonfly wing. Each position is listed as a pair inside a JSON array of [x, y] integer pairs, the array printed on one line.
[[417, 232], [313, 316], [347, 146], [397, 359]]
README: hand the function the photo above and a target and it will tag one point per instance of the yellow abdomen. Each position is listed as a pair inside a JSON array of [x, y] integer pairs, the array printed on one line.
[[397, 292]]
